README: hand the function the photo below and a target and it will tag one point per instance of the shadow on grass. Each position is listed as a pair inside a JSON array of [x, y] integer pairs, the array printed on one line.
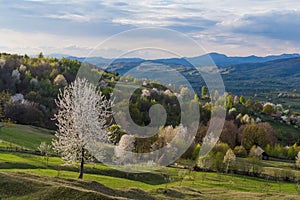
[[149, 178], [17, 165], [29, 186]]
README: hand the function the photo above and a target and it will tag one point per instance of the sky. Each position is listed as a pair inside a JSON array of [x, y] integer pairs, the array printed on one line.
[[232, 27]]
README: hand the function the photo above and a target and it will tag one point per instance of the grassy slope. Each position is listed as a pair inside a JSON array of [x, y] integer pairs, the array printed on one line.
[[28, 137], [196, 185], [26, 176], [287, 102], [29, 186]]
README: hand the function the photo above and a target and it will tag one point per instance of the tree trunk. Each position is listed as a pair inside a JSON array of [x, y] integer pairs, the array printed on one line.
[[81, 164], [227, 167]]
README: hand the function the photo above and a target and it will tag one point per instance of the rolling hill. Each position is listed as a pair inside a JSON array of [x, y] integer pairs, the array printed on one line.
[[254, 74], [220, 60], [274, 75], [22, 136], [282, 74]]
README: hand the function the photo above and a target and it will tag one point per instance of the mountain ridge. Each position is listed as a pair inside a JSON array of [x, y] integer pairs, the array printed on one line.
[[221, 60]]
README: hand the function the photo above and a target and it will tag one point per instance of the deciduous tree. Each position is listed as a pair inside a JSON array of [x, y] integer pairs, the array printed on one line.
[[4, 98], [254, 135], [45, 150], [204, 92], [82, 119], [229, 158], [298, 160]]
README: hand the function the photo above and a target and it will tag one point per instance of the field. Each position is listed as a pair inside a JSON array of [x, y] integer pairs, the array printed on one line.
[[28, 137], [27, 176], [289, 99]]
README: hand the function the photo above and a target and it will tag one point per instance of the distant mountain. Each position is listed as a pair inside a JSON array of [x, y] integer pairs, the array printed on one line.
[[55, 55], [245, 78], [220, 60], [272, 75], [252, 73], [100, 61]]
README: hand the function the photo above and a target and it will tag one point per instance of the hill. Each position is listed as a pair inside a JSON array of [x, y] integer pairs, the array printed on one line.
[[275, 75], [220, 60], [281, 74], [28, 137], [37, 182], [30, 186]]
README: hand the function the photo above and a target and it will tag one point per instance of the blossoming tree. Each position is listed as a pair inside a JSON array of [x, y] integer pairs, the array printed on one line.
[[82, 118]]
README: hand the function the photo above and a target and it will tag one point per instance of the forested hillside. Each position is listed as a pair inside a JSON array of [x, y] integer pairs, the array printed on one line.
[[33, 84], [29, 87]]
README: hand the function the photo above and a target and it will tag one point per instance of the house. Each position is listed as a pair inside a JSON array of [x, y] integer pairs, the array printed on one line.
[[283, 118], [265, 156], [260, 151]]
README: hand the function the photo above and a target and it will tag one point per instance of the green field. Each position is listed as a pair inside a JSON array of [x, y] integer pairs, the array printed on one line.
[[28, 137], [35, 180], [26, 176], [289, 102]]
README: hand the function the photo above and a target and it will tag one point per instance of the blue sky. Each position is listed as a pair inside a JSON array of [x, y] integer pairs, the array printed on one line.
[[233, 27]]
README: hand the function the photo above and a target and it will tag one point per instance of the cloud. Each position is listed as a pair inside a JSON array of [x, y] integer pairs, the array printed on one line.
[[73, 17], [62, 17], [33, 43], [228, 26], [276, 25]]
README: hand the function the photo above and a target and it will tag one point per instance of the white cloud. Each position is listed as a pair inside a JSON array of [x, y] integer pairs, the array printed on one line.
[[276, 24], [228, 26], [72, 17], [33, 43]]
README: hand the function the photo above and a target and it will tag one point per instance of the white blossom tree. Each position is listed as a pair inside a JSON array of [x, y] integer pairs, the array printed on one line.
[[229, 158], [82, 118], [173, 140], [45, 150], [123, 151], [298, 160]]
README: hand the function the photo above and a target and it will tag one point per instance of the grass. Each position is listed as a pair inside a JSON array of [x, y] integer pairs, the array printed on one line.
[[285, 133], [205, 186], [195, 184], [21, 185], [28, 137], [291, 102], [26, 176]]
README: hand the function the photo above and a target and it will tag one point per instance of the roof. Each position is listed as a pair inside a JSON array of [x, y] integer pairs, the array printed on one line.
[[259, 150]]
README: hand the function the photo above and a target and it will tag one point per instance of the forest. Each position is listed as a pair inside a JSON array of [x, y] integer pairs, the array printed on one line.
[[30, 86]]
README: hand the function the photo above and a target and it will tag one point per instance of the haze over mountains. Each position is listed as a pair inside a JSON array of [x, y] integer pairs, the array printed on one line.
[[221, 60], [241, 75], [275, 75]]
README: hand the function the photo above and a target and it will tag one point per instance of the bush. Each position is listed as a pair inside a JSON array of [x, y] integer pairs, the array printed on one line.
[[27, 113], [196, 152], [219, 151], [252, 135], [277, 151], [240, 151], [218, 163], [229, 159], [214, 160], [298, 160], [255, 165], [60, 80], [255, 160], [221, 147]]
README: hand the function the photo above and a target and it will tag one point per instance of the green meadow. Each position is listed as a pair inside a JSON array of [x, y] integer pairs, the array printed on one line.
[[28, 176]]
